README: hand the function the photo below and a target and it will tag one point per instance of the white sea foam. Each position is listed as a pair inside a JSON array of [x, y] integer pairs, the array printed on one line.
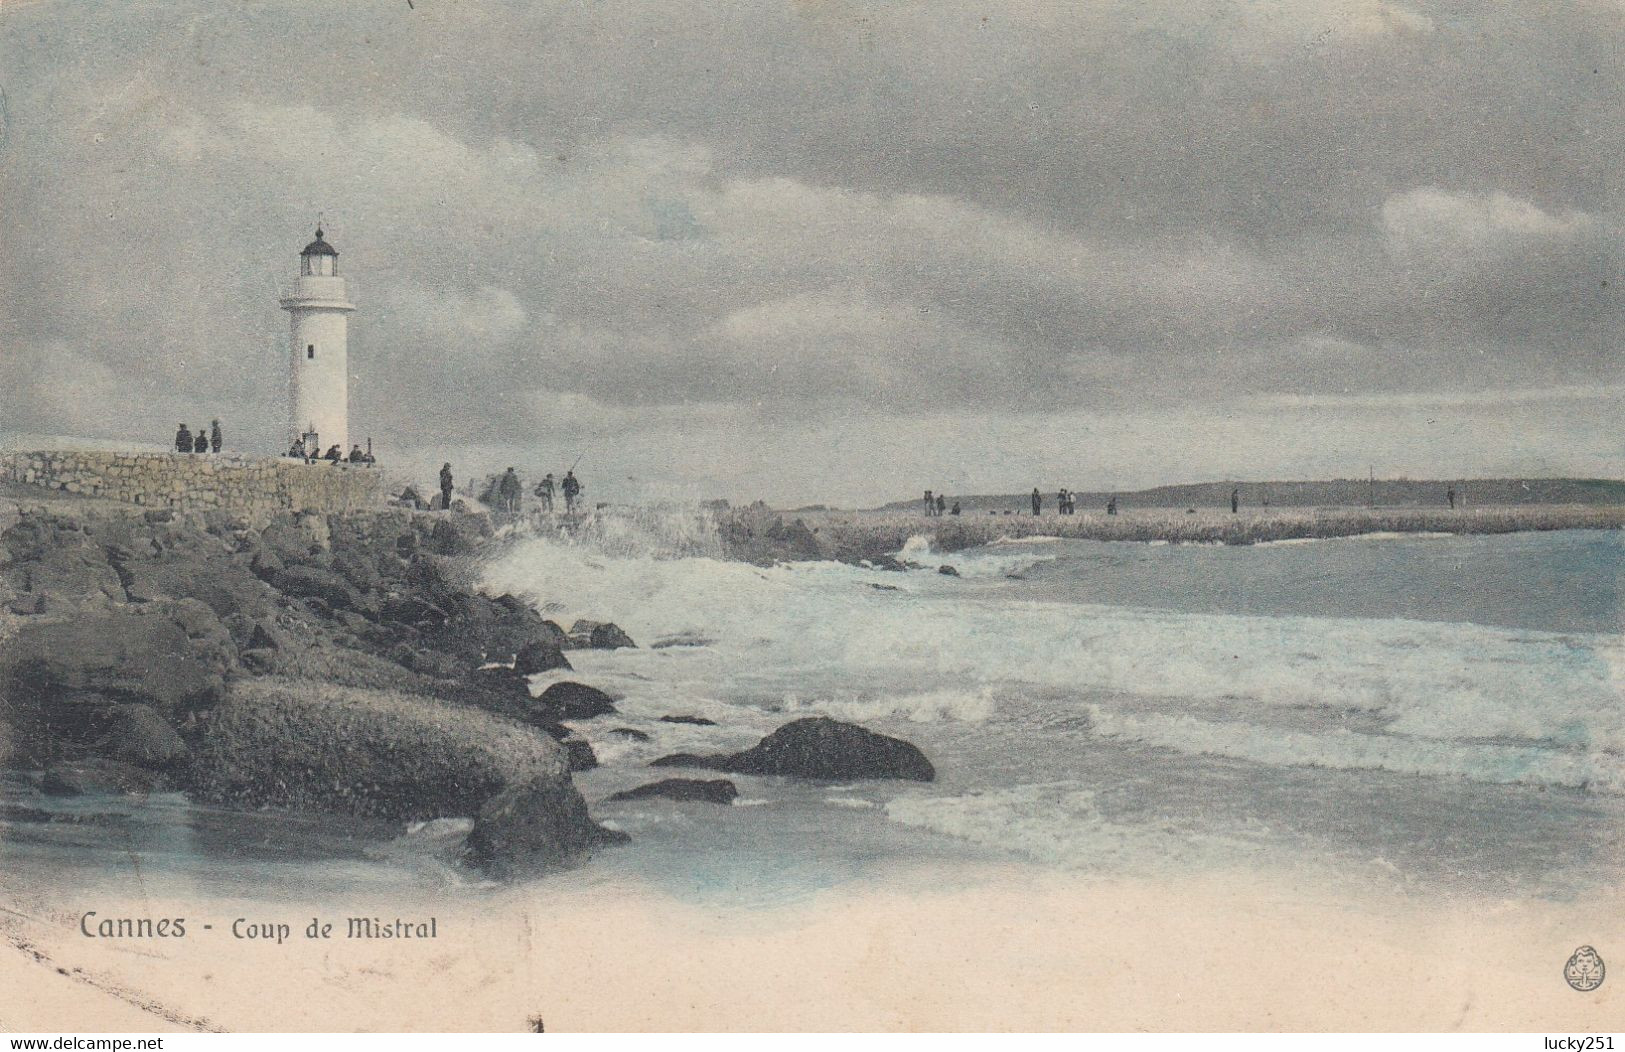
[[932, 706], [1345, 749], [1488, 703], [983, 562], [1060, 823]]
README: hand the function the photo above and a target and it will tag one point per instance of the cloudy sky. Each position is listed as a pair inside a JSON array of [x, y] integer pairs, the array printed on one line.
[[834, 250]]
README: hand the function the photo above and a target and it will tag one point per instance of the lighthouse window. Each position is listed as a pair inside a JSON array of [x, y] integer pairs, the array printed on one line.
[[310, 352]]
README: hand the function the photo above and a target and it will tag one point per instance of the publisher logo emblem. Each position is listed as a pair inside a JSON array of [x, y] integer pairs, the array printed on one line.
[[1584, 970]]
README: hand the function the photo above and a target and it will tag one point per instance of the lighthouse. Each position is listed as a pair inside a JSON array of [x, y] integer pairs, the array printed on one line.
[[319, 376]]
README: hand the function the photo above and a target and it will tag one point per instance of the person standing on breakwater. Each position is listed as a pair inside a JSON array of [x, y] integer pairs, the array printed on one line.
[[216, 439], [572, 490], [445, 487], [1450, 495], [930, 505], [1111, 505], [942, 504], [1038, 502], [200, 444], [510, 491], [544, 490], [1235, 500], [183, 439]]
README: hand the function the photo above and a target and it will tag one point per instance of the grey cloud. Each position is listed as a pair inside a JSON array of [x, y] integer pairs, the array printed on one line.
[[818, 209]]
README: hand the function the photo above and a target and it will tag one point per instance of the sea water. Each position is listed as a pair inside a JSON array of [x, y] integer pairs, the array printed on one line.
[[1439, 714]]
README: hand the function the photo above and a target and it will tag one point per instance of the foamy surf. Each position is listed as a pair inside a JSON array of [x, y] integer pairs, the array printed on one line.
[[996, 684]]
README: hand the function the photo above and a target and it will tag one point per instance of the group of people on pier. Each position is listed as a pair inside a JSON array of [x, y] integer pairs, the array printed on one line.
[[200, 442], [306, 451], [507, 492]]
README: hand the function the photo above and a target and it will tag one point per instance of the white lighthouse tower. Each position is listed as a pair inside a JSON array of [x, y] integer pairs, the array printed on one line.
[[319, 376]]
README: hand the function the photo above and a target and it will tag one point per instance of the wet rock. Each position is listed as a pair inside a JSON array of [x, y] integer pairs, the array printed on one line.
[[540, 655], [630, 734], [698, 721], [947, 571], [541, 824], [577, 701], [97, 776], [580, 754], [598, 635], [502, 680], [820, 748], [454, 536], [710, 791], [138, 735], [884, 562]]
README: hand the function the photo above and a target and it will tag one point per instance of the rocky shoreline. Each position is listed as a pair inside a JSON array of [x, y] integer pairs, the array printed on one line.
[[340, 663]]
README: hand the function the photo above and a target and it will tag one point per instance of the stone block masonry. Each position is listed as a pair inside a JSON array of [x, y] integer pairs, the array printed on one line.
[[242, 485]]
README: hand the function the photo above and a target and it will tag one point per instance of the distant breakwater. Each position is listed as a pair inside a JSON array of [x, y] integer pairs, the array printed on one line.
[[756, 536]]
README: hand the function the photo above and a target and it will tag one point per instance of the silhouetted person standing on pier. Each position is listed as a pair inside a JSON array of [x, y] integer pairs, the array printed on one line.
[[216, 440], [1235, 500], [942, 504], [510, 491], [445, 487], [183, 439], [1111, 505], [1038, 502], [200, 444], [572, 490], [544, 490], [930, 505], [1450, 495]]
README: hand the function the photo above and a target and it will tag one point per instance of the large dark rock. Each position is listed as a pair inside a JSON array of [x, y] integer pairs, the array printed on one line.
[[577, 701], [598, 635], [579, 751], [312, 582], [77, 575], [540, 655], [224, 586], [124, 656], [97, 776], [697, 721], [288, 543], [822, 748], [307, 746], [710, 791], [502, 681], [137, 735], [538, 825]]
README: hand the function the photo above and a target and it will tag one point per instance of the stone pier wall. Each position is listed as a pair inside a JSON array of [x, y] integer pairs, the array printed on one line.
[[244, 485]]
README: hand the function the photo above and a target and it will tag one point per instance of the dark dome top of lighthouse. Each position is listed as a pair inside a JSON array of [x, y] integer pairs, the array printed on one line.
[[319, 247]]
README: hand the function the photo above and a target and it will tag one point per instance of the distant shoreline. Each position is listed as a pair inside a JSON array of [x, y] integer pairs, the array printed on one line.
[[1372, 494], [875, 535]]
